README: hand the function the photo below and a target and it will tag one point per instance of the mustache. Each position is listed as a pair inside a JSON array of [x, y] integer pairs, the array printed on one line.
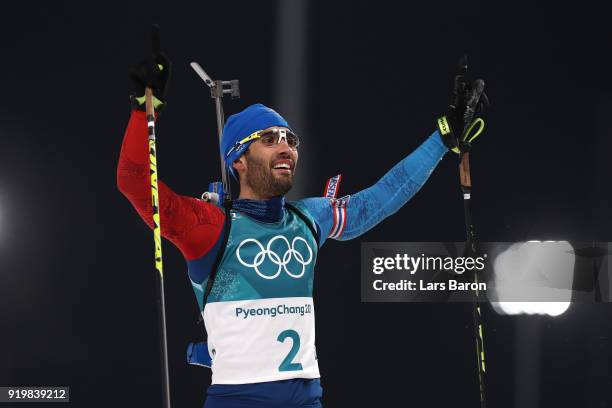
[[282, 157]]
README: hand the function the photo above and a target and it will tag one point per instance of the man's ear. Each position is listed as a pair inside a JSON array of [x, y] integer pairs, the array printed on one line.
[[239, 164]]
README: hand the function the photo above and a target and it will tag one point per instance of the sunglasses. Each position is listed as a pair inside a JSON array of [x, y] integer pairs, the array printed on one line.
[[269, 138]]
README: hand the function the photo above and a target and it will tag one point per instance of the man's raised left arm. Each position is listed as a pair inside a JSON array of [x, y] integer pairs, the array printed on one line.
[[351, 216], [348, 217]]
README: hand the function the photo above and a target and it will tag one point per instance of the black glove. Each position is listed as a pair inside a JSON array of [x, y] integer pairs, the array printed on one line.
[[463, 121], [153, 71]]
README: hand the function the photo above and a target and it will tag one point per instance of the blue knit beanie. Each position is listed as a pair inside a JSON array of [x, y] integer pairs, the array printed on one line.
[[242, 124]]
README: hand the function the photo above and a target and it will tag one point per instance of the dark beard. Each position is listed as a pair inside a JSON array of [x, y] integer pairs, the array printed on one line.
[[260, 178]]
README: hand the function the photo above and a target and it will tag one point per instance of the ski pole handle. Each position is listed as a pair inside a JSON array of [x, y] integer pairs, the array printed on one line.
[[150, 109], [464, 173]]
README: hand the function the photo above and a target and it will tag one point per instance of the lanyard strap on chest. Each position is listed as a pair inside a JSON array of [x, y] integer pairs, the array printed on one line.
[[227, 225], [306, 221]]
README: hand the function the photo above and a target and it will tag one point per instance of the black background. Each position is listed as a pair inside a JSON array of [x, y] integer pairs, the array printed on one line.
[[76, 263]]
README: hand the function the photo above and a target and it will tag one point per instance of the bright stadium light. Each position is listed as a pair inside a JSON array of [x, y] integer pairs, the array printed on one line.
[[534, 270], [540, 308]]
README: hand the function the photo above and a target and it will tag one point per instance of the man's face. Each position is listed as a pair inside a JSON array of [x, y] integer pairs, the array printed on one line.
[[268, 169]]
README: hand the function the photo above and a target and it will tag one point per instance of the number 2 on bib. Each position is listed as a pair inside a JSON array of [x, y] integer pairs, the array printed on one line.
[[287, 365]]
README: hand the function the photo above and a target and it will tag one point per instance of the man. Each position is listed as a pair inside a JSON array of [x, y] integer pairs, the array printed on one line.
[[259, 314]]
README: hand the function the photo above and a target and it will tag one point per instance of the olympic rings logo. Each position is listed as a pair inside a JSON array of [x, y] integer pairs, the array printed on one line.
[[281, 263]]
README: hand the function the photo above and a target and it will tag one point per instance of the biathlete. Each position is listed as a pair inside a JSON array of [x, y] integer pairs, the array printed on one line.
[[259, 314]]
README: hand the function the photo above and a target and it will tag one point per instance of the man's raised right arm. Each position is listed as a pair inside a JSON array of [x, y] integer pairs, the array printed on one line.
[[191, 224]]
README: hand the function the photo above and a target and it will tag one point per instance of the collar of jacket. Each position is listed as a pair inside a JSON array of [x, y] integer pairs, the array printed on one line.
[[271, 210]]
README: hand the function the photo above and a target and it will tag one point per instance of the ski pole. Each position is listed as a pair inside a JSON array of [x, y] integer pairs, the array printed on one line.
[[466, 188], [161, 306]]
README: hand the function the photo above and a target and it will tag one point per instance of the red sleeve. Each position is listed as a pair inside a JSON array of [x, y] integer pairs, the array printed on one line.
[[190, 224]]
